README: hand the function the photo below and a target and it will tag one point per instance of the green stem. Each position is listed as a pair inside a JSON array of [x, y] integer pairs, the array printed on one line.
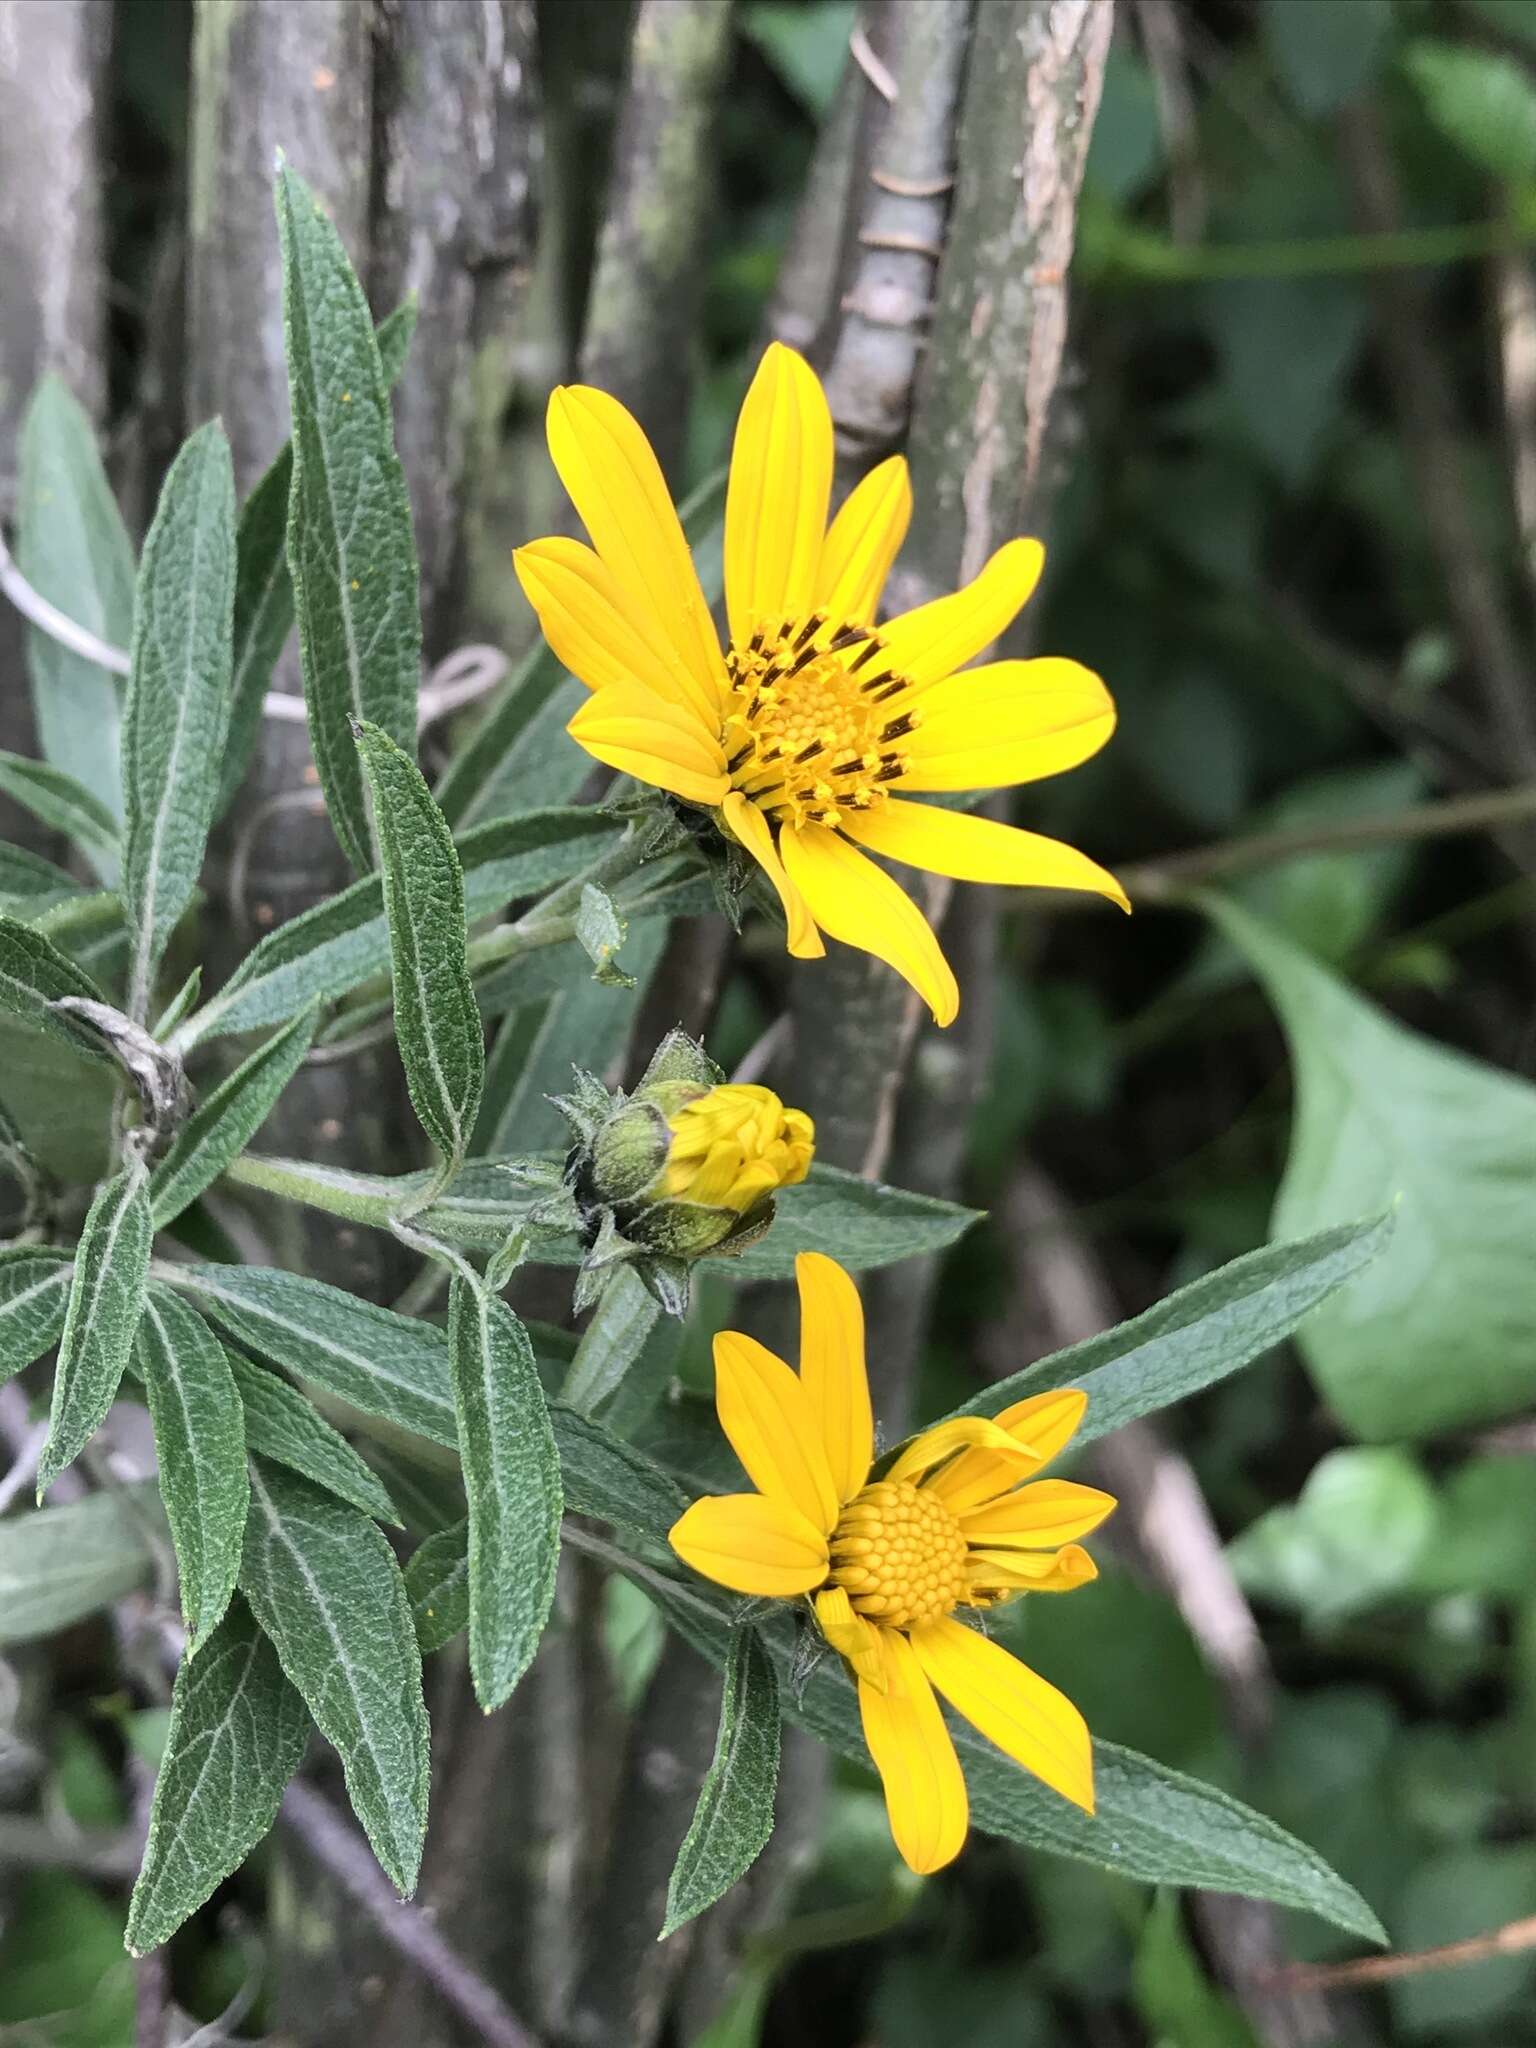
[[1126, 257]]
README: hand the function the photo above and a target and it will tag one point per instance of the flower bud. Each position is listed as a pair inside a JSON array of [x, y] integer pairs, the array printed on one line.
[[734, 1147]]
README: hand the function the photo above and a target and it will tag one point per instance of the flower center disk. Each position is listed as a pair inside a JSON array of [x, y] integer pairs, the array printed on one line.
[[809, 729], [899, 1554]]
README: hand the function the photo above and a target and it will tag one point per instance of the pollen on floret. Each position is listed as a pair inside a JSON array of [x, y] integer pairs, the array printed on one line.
[[900, 1555]]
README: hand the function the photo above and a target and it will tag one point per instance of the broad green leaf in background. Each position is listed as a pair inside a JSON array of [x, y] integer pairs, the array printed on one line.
[[1481, 100], [324, 1585], [512, 1481], [236, 1737], [224, 1123], [283, 1426], [263, 587], [72, 547], [1461, 1894], [436, 1022], [1181, 2007], [59, 1564], [57, 799], [1326, 55], [200, 1445], [1213, 1327], [734, 1817], [34, 1291], [350, 549], [177, 709], [807, 46], [106, 1299], [1358, 1533], [34, 975], [30, 885], [437, 1580], [326, 952], [1441, 1331]]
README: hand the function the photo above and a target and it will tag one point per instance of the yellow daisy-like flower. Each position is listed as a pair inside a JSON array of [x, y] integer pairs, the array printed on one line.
[[806, 735], [734, 1146], [889, 1562]]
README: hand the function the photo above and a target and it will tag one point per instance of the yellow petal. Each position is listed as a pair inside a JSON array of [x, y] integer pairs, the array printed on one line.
[[851, 1635], [639, 733], [764, 1411], [755, 834], [931, 642], [832, 1368], [1040, 1516], [751, 1544], [1043, 1424], [1031, 1571], [855, 901], [945, 1438], [615, 482], [924, 1791], [976, 849], [1012, 1706], [1011, 722], [590, 624], [862, 543], [776, 501]]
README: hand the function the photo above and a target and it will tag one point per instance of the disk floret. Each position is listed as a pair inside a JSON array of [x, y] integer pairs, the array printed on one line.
[[900, 1555]]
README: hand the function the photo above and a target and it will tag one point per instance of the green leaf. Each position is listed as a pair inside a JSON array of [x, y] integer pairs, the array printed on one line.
[[324, 1585], [59, 1564], [1356, 1535], [34, 1292], [177, 709], [807, 46], [34, 975], [350, 550], [283, 1426], [106, 1299], [236, 1737], [72, 547], [437, 1579], [1150, 1823], [1441, 1332], [600, 933], [56, 799], [1480, 100], [1207, 1330], [1180, 2005], [1327, 55], [612, 1481], [436, 1021], [512, 1481], [263, 587], [328, 951], [613, 1340], [223, 1124], [200, 1444], [30, 885], [860, 1223], [734, 1817]]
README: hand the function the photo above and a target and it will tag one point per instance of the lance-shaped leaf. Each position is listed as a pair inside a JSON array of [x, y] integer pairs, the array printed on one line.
[[34, 1292], [437, 1579], [512, 1482], [859, 1223], [436, 1021], [224, 1123], [34, 975], [56, 799], [236, 1737], [263, 587], [59, 1564], [106, 1300], [350, 549], [283, 1426], [324, 1585], [72, 547], [177, 709], [200, 1443], [734, 1817], [32, 887], [1212, 1327]]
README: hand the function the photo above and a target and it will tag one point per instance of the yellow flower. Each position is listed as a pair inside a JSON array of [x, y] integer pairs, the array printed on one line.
[[801, 732], [733, 1146], [889, 1562]]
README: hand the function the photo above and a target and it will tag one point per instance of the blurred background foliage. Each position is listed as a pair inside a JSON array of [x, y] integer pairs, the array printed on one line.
[[1296, 533]]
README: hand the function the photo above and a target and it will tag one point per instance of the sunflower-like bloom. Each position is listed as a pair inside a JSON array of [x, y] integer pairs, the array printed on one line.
[[807, 734], [888, 1562]]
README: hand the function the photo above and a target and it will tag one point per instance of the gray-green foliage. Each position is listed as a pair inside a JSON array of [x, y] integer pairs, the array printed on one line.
[[34, 1292], [512, 1481], [177, 709], [200, 1444], [437, 1579], [437, 1025], [225, 1122], [34, 975], [55, 798], [350, 550], [106, 1299], [236, 1737], [734, 1817], [283, 1426], [324, 1586], [60, 1564]]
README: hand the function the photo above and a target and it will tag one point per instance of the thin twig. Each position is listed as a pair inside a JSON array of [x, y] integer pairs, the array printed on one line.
[[405, 1927], [1514, 1938], [34, 606], [1515, 293]]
